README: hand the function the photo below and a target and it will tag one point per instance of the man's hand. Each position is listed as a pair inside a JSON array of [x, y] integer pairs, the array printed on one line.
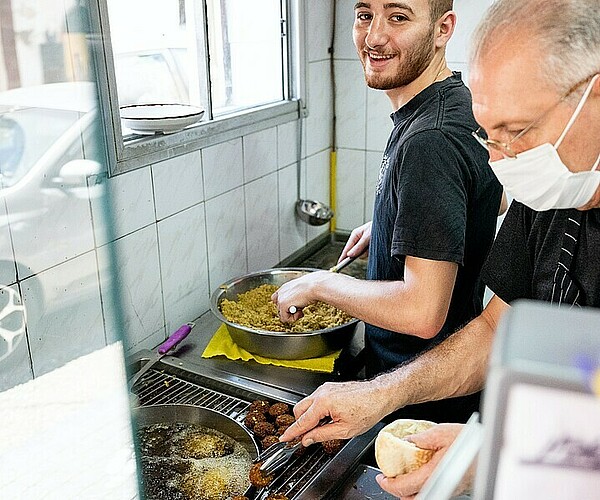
[[358, 242], [346, 404], [438, 438], [299, 293]]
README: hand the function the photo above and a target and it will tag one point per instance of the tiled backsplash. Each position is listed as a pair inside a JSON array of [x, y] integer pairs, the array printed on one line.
[[185, 225]]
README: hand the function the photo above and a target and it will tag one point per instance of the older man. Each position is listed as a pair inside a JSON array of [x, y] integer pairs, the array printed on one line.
[[436, 200], [535, 70]]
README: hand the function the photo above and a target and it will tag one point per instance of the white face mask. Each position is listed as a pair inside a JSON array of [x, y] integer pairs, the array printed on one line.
[[539, 179]]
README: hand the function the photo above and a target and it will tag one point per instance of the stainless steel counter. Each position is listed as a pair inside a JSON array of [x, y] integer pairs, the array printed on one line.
[[286, 384], [290, 385], [299, 382]]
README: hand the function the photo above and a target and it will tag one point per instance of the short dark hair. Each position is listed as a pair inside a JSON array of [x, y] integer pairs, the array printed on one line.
[[439, 7]]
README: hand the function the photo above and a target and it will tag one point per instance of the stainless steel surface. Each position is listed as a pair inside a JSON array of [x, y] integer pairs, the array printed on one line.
[[276, 344], [245, 374], [338, 267], [362, 485], [313, 212], [313, 475], [276, 456], [190, 414]]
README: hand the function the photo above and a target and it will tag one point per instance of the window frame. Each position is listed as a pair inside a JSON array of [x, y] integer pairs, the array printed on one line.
[[141, 151]]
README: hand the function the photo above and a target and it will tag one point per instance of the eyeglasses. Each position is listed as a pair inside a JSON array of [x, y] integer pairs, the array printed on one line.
[[505, 147]]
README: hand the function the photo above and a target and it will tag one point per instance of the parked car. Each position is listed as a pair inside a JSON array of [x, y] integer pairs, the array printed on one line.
[[48, 142], [152, 76]]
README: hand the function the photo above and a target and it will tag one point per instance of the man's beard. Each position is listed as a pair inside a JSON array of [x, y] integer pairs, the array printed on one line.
[[415, 63]]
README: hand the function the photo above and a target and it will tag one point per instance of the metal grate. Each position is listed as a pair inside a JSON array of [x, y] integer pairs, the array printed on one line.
[[298, 473], [162, 388], [158, 387]]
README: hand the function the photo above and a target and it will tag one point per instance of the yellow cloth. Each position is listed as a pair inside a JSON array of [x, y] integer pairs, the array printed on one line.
[[223, 345]]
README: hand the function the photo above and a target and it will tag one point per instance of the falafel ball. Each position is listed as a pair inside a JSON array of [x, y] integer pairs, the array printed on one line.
[[284, 420], [269, 441], [279, 409], [239, 497], [258, 477], [332, 446], [277, 496], [260, 405], [263, 429], [253, 418], [281, 429]]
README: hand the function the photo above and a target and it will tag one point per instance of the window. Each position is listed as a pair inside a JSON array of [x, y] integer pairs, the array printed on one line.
[[229, 57], [247, 54]]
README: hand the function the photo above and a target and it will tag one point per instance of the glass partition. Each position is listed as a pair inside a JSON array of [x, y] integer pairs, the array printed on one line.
[[52, 199], [64, 408]]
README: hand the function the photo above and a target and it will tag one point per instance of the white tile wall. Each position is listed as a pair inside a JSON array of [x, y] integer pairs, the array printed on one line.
[[64, 315], [49, 225], [351, 105], [177, 184], [16, 368], [226, 237], [318, 29], [287, 144], [344, 45], [318, 123], [292, 231], [262, 222], [223, 168], [138, 277], [184, 266], [259, 157], [221, 211], [350, 188], [468, 13], [132, 204]]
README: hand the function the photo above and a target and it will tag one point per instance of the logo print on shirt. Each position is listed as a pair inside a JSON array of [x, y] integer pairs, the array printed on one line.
[[385, 164]]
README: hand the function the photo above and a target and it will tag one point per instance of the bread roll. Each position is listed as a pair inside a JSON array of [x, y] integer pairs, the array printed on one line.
[[394, 454]]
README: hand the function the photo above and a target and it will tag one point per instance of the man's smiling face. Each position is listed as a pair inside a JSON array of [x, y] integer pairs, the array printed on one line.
[[394, 40]]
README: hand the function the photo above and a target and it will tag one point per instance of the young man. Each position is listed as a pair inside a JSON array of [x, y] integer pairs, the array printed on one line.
[[436, 201], [535, 74]]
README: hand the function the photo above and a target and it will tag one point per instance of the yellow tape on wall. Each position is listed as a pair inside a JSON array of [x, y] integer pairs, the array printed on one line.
[[332, 189]]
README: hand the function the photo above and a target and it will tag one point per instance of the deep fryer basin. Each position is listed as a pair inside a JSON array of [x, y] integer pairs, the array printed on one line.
[[174, 413], [190, 414], [279, 345]]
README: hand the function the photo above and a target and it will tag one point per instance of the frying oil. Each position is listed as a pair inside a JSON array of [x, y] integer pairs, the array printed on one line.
[[184, 461]]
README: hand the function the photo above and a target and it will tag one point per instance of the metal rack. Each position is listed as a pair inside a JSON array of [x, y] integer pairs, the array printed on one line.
[[308, 476]]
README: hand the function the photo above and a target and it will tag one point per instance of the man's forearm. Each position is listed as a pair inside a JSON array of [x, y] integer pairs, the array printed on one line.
[[416, 306], [456, 367]]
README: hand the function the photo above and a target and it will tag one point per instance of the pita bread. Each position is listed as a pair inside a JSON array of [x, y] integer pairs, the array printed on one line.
[[394, 454]]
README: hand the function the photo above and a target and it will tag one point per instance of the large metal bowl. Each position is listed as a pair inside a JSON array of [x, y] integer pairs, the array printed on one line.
[[278, 345]]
